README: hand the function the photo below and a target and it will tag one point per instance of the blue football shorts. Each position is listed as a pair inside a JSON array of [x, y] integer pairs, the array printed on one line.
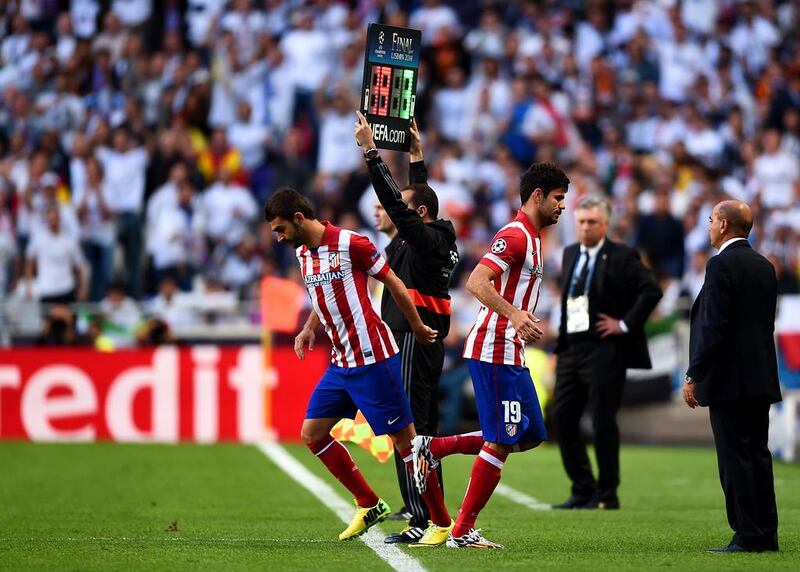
[[508, 408], [375, 389]]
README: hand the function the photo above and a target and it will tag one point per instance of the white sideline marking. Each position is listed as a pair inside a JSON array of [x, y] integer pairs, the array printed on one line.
[[520, 498], [389, 553]]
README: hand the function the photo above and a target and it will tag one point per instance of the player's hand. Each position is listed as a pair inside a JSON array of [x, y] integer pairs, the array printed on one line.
[[425, 335], [363, 132], [525, 325], [608, 326], [416, 140], [305, 337], [690, 395]]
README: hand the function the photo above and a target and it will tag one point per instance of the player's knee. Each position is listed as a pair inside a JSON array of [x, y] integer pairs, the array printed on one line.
[[310, 434], [402, 438], [502, 449]]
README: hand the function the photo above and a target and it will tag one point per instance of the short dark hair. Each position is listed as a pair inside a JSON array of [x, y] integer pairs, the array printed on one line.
[[284, 203], [545, 176], [423, 195]]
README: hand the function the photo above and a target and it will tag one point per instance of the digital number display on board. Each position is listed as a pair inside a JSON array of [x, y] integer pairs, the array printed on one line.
[[389, 85]]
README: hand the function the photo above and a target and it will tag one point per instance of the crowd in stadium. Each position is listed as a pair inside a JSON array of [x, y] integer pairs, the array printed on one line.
[[139, 139]]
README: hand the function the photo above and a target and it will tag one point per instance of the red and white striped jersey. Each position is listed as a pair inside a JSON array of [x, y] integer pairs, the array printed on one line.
[[336, 279], [516, 258]]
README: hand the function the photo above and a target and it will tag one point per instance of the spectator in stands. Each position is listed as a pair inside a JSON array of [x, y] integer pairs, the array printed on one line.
[[50, 192], [171, 306], [451, 106], [238, 266], [251, 138], [58, 327], [228, 208], [90, 200], [125, 165], [132, 13], [54, 258], [660, 236], [289, 167], [776, 174], [248, 27], [165, 196], [121, 313], [221, 157], [338, 157], [435, 20], [8, 243], [177, 237]]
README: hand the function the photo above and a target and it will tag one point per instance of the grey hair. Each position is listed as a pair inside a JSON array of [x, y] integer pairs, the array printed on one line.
[[592, 201]]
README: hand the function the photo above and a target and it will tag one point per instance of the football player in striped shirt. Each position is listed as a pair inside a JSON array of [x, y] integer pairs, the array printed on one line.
[[365, 372], [506, 281]]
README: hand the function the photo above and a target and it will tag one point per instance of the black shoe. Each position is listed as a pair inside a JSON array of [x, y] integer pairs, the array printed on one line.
[[401, 514], [597, 504], [406, 536], [732, 547], [572, 502]]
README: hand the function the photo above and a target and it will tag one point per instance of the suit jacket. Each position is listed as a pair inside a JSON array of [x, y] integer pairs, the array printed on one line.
[[622, 288], [732, 343]]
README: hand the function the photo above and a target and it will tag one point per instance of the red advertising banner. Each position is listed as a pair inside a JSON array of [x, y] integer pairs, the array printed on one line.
[[168, 394]]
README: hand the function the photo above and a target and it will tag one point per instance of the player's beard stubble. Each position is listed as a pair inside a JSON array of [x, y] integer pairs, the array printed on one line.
[[298, 237]]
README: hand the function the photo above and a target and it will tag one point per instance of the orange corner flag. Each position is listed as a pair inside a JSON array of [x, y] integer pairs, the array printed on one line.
[[359, 432]]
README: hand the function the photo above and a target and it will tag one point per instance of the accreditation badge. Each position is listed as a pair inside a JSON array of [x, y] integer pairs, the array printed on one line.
[[578, 314]]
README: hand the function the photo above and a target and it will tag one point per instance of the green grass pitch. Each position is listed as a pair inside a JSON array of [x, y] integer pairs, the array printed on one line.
[[115, 507]]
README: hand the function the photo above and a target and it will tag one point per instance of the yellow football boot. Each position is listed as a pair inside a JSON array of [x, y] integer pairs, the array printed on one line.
[[434, 535], [365, 518]]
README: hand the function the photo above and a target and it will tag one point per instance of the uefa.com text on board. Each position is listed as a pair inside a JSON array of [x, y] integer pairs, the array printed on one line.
[[389, 84]]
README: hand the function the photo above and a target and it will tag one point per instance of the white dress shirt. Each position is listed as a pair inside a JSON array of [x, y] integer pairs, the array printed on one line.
[[593, 251], [728, 242]]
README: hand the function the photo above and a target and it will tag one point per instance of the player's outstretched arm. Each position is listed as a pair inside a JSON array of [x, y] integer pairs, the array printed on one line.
[[307, 335], [424, 335], [480, 285]]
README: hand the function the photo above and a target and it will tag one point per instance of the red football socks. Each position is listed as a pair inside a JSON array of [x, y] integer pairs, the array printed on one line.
[[337, 459], [433, 493], [485, 476], [466, 444]]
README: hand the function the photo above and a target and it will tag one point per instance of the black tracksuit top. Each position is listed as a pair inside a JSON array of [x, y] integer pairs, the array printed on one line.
[[423, 255]]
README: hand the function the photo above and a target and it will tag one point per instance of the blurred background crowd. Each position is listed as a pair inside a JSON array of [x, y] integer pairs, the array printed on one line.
[[139, 139]]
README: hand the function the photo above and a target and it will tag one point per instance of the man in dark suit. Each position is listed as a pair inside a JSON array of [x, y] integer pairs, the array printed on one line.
[[606, 296], [733, 370]]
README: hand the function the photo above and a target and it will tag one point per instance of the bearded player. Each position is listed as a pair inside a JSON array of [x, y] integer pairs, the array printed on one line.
[[365, 372], [506, 281]]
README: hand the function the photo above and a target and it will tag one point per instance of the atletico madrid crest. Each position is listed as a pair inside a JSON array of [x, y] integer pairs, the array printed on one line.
[[333, 260], [511, 429]]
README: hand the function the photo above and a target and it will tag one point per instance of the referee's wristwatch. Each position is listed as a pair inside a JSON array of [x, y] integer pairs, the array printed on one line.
[[688, 380], [371, 153]]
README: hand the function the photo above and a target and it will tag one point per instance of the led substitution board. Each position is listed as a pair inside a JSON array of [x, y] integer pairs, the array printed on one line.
[[389, 87]]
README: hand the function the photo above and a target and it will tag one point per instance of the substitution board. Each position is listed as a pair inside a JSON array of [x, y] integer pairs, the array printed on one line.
[[389, 87]]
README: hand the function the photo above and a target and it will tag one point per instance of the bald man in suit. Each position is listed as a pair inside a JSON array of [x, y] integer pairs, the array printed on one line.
[[733, 370]]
